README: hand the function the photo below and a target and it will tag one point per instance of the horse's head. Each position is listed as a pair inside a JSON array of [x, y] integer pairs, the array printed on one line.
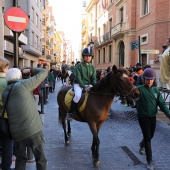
[[122, 83]]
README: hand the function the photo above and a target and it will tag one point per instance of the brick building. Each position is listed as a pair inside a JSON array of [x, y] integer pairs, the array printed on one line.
[[116, 26]]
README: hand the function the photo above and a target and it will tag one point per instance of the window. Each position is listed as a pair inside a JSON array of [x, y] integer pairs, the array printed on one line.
[[99, 32], [99, 10], [40, 45], [121, 14], [104, 57], [144, 7], [98, 56], [91, 17], [43, 50], [40, 24], [36, 1], [32, 14], [110, 24], [36, 42], [43, 34], [84, 4], [104, 28], [36, 20], [110, 53], [32, 38], [110, 2], [144, 39]]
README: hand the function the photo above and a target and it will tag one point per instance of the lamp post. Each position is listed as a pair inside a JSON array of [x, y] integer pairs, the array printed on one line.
[[92, 46]]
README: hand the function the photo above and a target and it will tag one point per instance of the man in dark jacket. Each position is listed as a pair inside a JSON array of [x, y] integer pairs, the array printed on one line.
[[24, 121]]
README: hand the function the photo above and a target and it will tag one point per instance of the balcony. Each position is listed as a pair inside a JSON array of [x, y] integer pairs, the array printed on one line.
[[106, 38], [117, 2], [48, 57], [118, 30], [8, 46], [48, 44], [9, 35]]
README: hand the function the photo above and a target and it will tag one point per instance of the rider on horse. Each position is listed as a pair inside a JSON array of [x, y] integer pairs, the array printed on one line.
[[63, 67], [85, 77]]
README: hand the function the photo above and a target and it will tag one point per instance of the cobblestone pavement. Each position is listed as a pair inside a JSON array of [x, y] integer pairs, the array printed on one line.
[[119, 141]]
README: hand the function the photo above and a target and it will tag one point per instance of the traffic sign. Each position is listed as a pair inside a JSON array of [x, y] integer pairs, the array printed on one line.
[[150, 51], [16, 19], [134, 45]]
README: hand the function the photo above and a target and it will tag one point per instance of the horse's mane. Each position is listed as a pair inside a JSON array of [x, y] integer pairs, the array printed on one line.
[[102, 83], [106, 82]]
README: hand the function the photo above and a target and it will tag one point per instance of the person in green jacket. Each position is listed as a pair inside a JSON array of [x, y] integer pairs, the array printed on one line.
[[150, 99], [72, 67], [85, 78], [51, 80], [25, 123], [6, 142]]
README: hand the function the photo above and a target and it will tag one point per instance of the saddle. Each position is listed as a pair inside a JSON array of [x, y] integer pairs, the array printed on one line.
[[81, 104]]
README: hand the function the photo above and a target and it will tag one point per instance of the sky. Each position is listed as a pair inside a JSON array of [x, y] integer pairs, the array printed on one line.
[[68, 18]]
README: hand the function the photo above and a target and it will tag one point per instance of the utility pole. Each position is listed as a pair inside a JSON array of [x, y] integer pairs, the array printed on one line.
[[139, 51], [2, 31], [16, 44]]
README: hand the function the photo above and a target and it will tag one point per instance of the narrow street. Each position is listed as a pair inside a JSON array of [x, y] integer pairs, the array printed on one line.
[[119, 141]]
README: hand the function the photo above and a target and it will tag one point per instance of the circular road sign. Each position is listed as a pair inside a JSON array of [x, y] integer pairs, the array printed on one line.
[[16, 19]]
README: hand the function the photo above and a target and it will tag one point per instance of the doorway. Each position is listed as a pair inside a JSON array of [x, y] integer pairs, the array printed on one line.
[[121, 53]]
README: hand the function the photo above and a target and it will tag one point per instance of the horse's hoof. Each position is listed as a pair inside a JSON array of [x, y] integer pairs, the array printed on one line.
[[67, 143], [96, 164]]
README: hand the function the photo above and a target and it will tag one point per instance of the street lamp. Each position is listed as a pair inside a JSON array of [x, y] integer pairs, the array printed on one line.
[[91, 43]]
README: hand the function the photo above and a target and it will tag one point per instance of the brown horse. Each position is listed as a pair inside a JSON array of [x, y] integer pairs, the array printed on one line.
[[63, 75], [98, 104]]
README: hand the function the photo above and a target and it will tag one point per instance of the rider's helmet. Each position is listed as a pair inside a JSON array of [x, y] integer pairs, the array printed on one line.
[[149, 73], [87, 52]]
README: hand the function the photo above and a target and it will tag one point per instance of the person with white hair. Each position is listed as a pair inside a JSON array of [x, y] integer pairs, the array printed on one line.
[[24, 121]]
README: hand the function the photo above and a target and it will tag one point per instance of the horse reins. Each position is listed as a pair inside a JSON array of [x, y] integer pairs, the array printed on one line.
[[116, 85], [125, 95]]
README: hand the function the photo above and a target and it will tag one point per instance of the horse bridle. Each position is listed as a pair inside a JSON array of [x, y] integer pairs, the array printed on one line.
[[123, 91], [115, 83]]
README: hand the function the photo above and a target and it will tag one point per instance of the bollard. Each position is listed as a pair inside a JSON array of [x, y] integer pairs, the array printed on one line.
[[42, 101]]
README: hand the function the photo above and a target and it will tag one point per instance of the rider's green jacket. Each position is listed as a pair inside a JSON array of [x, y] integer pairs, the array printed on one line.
[[85, 74], [150, 99]]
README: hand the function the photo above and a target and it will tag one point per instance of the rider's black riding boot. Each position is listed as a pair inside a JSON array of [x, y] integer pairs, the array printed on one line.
[[70, 113]]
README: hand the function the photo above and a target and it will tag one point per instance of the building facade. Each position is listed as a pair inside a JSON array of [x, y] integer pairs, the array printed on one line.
[[40, 42], [117, 27]]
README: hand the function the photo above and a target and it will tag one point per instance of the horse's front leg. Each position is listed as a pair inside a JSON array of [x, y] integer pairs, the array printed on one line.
[[68, 128], [95, 145], [67, 142], [96, 153], [93, 148]]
